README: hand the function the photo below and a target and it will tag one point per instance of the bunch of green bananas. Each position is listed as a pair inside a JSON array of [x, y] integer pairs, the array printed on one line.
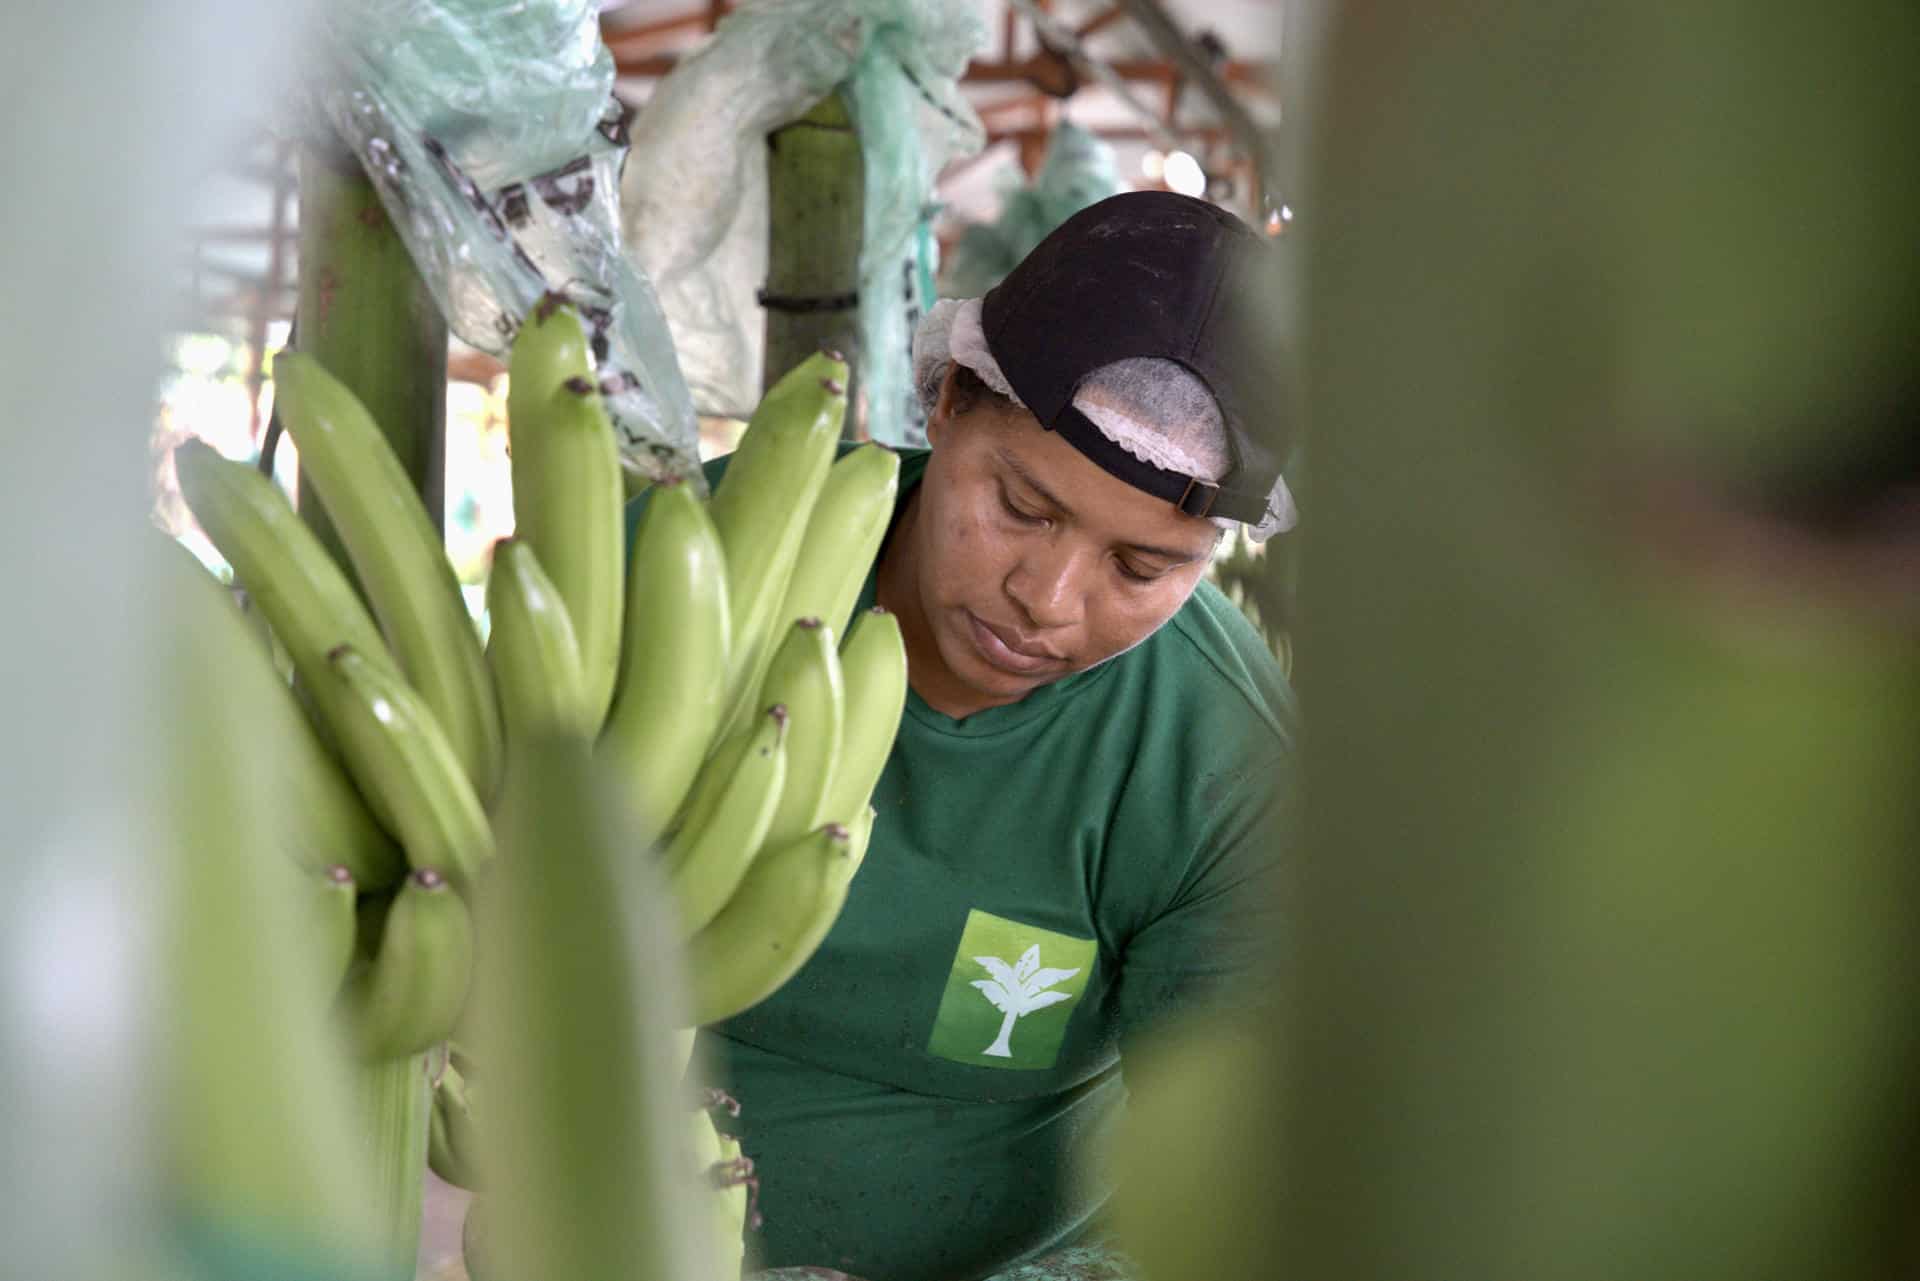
[[707, 672]]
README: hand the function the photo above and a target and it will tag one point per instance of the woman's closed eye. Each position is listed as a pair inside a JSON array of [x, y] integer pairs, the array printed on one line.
[[1019, 513]]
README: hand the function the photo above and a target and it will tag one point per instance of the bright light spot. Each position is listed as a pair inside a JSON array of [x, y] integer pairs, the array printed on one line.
[[1184, 175], [1153, 164], [384, 713], [1286, 213]]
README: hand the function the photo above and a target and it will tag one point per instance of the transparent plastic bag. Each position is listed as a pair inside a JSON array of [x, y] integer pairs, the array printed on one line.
[[492, 136], [694, 196], [1078, 171]]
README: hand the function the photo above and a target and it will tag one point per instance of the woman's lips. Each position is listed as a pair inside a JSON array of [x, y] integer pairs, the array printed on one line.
[[1000, 650]]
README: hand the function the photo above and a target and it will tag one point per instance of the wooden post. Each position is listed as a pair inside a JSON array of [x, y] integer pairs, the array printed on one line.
[[815, 206]]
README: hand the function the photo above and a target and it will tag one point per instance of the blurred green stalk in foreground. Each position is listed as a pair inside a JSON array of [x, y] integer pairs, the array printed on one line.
[[1605, 958]]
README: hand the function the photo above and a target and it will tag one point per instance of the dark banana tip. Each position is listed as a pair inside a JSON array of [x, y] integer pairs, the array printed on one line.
[[878, 609], [427, 879], [837, 832], [339, 875], [809, 623], [779, 713], [335, 654], [549, 303], [832, 353], [834, 385], [579, 386]]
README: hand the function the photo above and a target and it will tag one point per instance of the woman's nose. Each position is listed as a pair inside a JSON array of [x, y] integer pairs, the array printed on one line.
[[1046, 586]]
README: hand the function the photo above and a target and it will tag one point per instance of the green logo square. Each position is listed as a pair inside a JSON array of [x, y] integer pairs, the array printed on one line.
[[1010, 994]]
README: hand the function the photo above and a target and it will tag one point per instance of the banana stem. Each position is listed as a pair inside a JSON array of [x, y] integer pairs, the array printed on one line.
[[367, 316], [393, 1100], [816, 197]]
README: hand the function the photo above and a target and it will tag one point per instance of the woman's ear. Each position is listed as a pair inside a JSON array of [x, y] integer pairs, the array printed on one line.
[[942, 406]]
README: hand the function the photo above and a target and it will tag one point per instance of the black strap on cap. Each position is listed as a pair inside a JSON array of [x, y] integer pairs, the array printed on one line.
[[1191, 495]]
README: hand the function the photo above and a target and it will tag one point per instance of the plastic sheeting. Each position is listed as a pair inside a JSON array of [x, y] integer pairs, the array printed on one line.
[[492, 136], [694, 195]]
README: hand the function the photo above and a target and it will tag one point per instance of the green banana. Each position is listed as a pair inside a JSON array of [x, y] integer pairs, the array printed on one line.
[[581, 1144], [848, 524], [404, 765], [531, 648], [569, 499], [299, 588], [334, 921], [717, 771], [762, 506], [409, 998], [779, 915], [398, 554], [334, 824], [674, 656], [804, 677], [873, 667], [247, 1085], [713, 849]]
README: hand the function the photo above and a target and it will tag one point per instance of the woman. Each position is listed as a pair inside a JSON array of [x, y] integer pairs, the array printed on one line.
[[1077, 828]]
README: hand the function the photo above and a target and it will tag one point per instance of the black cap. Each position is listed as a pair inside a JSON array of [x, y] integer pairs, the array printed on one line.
[[1150, 273]]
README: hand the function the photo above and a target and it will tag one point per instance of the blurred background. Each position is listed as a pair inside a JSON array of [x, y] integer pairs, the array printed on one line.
[[1605, 603]]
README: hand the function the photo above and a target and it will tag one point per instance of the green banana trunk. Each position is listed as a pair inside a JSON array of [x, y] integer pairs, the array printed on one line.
[[367, 316], [816, 187], [390, 1114]]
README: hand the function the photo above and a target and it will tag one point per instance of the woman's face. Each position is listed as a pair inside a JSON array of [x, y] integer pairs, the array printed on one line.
[[1020, 561]]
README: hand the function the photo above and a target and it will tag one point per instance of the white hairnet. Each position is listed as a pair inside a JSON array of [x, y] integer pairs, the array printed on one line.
[[1153, 408]]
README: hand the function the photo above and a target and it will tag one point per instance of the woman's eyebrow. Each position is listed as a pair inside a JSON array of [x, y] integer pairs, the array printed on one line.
[[1012, 464], [1177, 555]]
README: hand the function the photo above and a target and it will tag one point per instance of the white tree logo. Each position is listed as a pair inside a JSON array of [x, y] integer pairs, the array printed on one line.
[[1019, 989]]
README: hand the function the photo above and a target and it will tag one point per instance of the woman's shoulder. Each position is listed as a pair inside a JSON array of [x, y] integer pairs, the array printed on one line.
[[1227, 666]]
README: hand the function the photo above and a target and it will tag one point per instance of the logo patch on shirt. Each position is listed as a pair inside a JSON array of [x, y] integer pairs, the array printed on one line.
[[1010, 994]]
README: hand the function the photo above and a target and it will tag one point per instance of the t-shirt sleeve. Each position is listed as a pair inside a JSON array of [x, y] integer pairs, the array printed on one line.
[[1216, 942]]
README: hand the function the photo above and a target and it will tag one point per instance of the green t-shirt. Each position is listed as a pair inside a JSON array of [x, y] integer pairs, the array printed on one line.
[[1045, 880]]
